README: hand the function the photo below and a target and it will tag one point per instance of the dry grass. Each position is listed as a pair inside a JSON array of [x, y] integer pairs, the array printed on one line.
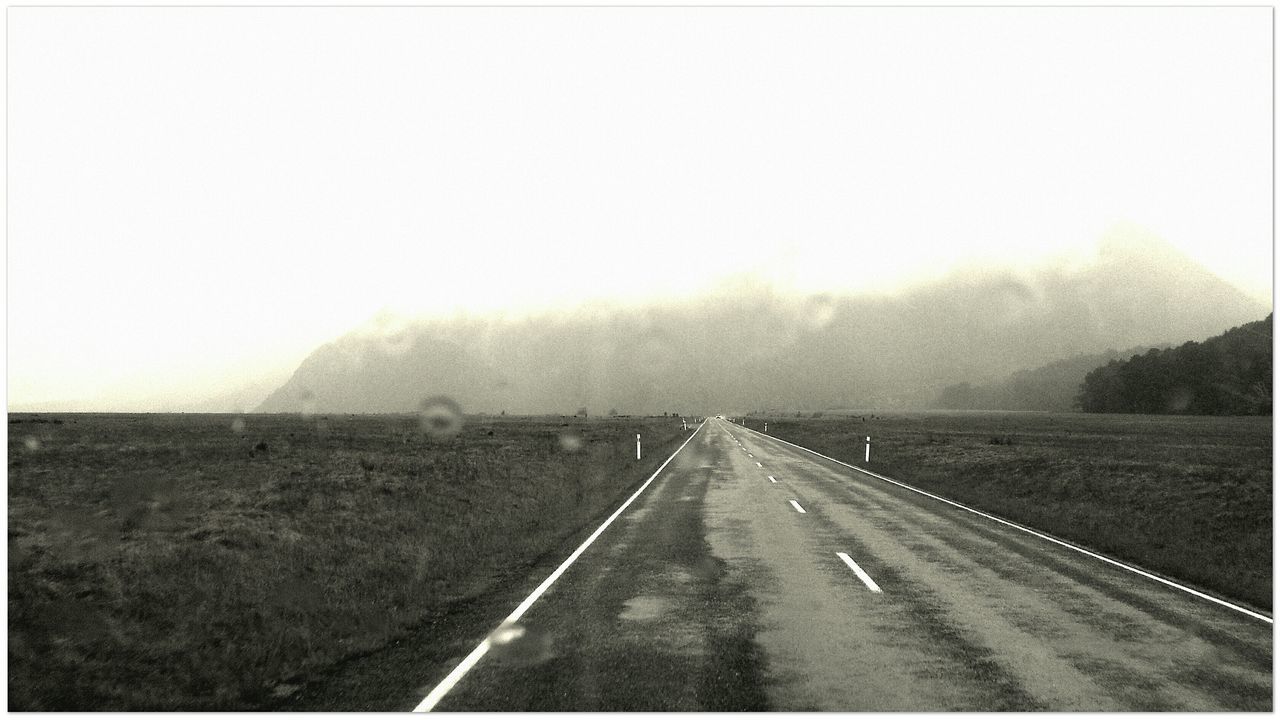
[[165, 562], [1189, 497]]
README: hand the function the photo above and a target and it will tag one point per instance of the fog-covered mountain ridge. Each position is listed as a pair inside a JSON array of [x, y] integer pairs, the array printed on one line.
[[751, 347]]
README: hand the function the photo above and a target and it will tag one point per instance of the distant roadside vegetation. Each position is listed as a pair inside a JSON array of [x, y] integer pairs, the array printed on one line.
[[1054, 387], [1189, 497], [1225, 375], [202, 562]]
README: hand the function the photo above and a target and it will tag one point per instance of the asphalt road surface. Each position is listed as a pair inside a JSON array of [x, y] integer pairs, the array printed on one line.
[[752, 575]]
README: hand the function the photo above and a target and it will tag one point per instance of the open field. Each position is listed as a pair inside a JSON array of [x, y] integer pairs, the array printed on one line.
[[165, 562], [1189, 497]]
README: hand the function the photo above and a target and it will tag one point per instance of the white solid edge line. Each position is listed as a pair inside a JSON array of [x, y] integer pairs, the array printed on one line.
[[1040, 535], [796, 505], [865, 578], [442, 689]]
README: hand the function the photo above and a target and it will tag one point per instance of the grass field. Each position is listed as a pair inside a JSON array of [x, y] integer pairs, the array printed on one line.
[[1188, 497], [200, 562]]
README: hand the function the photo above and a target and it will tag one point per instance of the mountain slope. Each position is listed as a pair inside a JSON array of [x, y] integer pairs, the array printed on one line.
[[747, 347], [1051, 387]]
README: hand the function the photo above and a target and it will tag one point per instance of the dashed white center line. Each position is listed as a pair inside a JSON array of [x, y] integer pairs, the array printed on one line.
[[1042, 536], [863, 576], [750, 455], [758, 464], [796, 505], [772, 480]]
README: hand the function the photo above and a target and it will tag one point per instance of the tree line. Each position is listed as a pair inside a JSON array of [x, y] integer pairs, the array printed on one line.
[[1051, 387], [1229, 374]]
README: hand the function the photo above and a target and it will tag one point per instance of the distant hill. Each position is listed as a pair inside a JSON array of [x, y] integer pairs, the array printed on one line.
[[746, 346], [1225, 375], [1053, 387]]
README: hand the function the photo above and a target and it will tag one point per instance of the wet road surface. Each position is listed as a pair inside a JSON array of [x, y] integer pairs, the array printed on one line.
[[752, 575]]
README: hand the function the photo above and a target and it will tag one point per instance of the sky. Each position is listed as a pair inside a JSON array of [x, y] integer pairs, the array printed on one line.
[[199, 197]]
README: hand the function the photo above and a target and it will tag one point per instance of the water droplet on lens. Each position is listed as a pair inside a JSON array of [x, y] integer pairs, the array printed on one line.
[[394, 335], [440, 417], [237, 425], [421, 568], [819, 311], [397, 344], [32, 444], [521, 647], [570, 441], [506, 634], [308, 400]]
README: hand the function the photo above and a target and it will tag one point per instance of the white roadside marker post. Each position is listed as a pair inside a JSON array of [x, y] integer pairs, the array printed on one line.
[[867, 458], [637, 446], [766, 427]]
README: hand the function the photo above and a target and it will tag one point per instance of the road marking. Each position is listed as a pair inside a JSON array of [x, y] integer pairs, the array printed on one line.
[[758, 464], [865, 578], [470, 660], [771, 479], [750, 455], [796, 505], [1042, 536]]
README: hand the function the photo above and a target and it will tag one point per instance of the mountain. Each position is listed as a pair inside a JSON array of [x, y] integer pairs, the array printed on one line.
[[1229, 374], [745, 346], [1051, 387]]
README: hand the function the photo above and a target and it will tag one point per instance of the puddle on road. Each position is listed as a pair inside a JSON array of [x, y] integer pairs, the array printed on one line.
[[644, 607]]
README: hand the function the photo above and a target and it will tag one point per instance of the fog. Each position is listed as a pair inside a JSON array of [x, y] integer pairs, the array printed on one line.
[[748, 347], [201, 198]]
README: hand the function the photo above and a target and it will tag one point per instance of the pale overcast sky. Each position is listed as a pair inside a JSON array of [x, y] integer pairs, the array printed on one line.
[[201, 196]]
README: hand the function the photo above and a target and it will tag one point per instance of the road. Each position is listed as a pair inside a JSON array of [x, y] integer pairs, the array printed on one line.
[[752, 575]]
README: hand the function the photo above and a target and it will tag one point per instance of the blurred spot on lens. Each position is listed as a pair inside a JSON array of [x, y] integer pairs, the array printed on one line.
[[393, 335], [237, 425], [657, 353], [308, 402], [521, 647], [397, 344], [440, 417], [298, 594], [422, 567], [31, 443], [570, 441], [819, 311], [706, 570], [1179, 399], [506, 633]]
